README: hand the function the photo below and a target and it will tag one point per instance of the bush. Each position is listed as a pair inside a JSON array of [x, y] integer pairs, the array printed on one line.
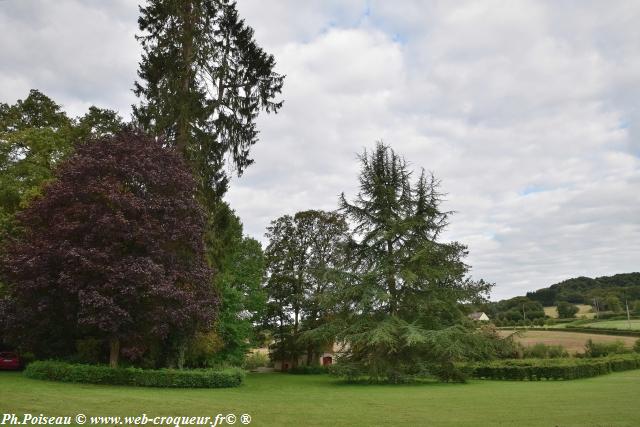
[[593, 349], [97, 374], [636, 346], [255, 360], [543, 351], [567, 310], [308, 370], [553, 369]]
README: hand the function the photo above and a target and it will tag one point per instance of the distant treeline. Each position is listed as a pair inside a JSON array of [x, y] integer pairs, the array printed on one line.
[[583, 290], [606, 294]]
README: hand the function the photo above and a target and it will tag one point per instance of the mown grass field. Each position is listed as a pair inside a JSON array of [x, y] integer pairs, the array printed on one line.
[[289, 400], [633, 324], [574, 342]]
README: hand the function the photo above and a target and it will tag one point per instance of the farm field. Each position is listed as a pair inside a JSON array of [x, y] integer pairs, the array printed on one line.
[[290, 400], [583, 310], [573, 341], [614, 324]]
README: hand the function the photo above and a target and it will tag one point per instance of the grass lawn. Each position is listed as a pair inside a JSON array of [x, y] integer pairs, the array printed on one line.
[[572, 341], [290, 400], [614, 324]]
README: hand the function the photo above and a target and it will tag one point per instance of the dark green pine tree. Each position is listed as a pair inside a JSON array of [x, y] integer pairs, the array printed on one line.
[[403, 313], [203, 81]]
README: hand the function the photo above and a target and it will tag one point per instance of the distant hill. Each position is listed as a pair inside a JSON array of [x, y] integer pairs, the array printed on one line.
[[582, 290], [609, 292]]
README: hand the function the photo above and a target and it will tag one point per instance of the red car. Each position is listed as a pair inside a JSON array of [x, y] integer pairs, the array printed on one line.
[[10, 361]]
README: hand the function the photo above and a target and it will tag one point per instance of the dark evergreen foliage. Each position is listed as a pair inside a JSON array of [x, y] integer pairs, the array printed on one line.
[[203, 81], [401, 316]]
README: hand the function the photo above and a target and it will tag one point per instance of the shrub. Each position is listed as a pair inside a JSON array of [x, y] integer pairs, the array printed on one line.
[[593, 349], [567, 310], [543, 351], [351, 372], [636, 346], [553, 369], [308, 370], [98, 374], [255, 360]]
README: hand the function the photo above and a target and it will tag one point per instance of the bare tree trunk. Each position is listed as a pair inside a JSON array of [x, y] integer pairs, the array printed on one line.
[[294, 344], [114, 352], [182, 349], [182, 131], [310, 354], [391, 284]]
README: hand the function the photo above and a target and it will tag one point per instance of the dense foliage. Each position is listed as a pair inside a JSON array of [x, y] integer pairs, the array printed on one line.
[[513, 310], [399, 314], [239, 283], [566, 310], [91, 374], [203, 81], [113, 249], [306, 264], [35, 136]]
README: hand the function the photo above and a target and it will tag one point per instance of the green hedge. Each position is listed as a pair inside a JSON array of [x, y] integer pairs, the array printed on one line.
[[308, 370], [96, 374], [581, 329], [618, 332], [553, 369]]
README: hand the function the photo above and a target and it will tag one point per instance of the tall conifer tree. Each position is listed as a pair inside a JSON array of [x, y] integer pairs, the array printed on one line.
[[203, 81]]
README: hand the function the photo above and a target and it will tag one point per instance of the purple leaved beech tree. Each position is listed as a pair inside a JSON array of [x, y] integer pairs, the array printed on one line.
[[113, 249]]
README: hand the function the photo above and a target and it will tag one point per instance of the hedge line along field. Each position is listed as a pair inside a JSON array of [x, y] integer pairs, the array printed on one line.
[[319, 400], [573, 342]]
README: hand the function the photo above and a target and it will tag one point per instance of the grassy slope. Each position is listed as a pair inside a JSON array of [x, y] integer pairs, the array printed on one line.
[[288, 400], [574, 342], [614, 324]]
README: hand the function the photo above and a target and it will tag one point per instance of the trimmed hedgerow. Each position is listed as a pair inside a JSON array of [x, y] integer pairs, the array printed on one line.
[[553, 369], [601, 331], [308, 370], [96, 374]]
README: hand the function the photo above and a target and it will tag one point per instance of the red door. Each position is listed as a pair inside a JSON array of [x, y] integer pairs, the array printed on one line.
[[327, 360]]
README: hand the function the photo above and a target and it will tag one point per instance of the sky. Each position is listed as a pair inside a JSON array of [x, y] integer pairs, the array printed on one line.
[[527, 111]]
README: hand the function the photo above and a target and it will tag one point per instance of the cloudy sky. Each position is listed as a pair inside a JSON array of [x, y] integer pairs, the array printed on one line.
[[526, 110]]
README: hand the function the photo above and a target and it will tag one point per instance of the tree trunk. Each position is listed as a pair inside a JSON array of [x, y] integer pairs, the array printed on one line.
[[114, 352], [283, 349], [182, 131], [182, 349], [294, 341], [310, 355], [391, 282]]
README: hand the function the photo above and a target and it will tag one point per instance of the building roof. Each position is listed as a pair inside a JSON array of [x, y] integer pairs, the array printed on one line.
[[477, 315]]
